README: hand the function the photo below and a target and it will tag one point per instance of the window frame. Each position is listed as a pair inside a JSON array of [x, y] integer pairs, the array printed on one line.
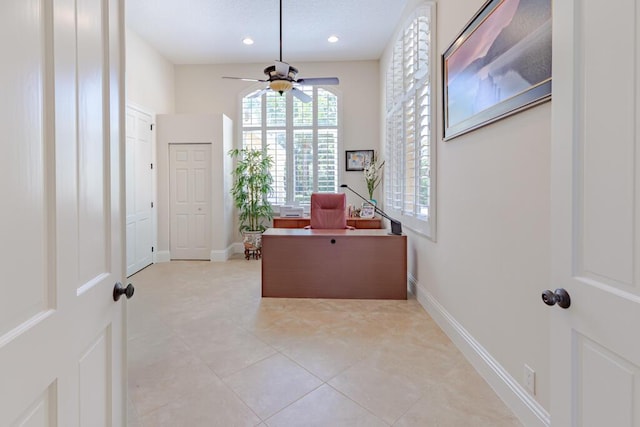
[[394, 109], [289, 130]]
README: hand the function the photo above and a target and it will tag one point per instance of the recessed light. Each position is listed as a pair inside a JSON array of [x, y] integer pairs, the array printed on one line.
[[333, 39], [247, 41]]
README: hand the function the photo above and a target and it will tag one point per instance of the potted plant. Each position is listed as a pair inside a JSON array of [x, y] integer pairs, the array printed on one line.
[[252, 184]]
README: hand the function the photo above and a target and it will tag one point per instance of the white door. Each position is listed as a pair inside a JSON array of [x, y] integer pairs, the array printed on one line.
[[595, 343], [190, 198], [139, 190], [62, 336]]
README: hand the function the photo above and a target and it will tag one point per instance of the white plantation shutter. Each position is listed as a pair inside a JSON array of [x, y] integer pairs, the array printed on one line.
[[303, 111], [423, 160], [276, 111], [394, 161], [409, 139], [327, 160], [252, 139], [303, 166], [277, 149], [302, 138], [251, 112], [327, 142], [409, 57], [423, 36], [251, 120], [397, 68], [409, 156], [327, 109]]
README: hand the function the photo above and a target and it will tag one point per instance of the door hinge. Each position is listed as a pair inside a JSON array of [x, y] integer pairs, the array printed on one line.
[[151, 165], [151, 204], [151, 248], [151, 126]]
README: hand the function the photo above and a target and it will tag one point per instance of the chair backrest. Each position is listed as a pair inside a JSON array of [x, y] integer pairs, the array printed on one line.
[[328, 210]]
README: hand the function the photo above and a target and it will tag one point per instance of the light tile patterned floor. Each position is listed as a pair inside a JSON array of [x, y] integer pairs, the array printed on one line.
[[206, 350]]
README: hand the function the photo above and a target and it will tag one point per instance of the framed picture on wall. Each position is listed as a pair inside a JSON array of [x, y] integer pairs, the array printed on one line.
[[355, 160], [498, 65]]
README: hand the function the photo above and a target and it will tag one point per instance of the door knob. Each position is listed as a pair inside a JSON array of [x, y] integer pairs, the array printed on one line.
[[560, 297], [119, 290]]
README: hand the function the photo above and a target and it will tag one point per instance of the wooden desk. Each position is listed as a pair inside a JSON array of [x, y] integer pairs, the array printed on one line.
[[359, 223], [363, 264]]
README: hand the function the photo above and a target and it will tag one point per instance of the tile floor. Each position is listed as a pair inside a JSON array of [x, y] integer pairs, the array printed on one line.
[[206, 350]]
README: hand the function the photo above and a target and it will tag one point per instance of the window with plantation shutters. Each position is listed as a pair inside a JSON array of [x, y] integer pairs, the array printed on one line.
[[302, 138], [409, 122]]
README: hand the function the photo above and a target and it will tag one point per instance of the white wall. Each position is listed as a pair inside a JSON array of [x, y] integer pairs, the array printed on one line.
[[491, 259], [201, 89], [150, 87], [149, 77], [229, 233], [193, 129]]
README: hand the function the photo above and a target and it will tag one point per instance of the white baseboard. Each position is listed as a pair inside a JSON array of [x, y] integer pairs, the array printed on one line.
[[162, 256], [223, 255], [515, 396], [214, 255]]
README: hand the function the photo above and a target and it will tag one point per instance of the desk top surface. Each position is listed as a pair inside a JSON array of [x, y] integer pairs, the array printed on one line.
[[323, 232], [307, 217]]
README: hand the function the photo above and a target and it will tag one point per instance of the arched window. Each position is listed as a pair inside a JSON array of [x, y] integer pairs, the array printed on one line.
[[302, 138], [410, 123]]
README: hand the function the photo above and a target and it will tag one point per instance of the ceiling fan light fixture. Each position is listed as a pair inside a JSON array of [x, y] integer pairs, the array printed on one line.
[[281, 85], [281, 77]]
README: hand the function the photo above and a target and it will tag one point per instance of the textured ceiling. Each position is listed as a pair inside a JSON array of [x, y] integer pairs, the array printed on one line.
[[211, 31]]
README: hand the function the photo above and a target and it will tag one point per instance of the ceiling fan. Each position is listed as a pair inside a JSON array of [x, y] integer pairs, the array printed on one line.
[[282, 77]]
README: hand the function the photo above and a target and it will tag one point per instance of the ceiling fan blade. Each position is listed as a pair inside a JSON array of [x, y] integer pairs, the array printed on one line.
[[258, 93], [300, 95], [282, 68], [243, 79], [319, 81]]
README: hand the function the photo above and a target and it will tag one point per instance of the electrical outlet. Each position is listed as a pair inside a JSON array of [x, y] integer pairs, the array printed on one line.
[[530, 379]]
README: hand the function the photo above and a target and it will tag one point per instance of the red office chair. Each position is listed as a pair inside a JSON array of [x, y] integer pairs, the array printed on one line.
[[328, 210]]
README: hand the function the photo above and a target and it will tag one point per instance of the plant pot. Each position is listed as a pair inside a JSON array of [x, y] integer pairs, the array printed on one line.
[[252, 244], [252, 240]]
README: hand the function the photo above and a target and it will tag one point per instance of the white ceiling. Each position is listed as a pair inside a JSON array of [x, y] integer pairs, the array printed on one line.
[[211, 31]]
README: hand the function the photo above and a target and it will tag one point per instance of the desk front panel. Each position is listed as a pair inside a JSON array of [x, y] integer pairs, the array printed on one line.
[[362, 264]]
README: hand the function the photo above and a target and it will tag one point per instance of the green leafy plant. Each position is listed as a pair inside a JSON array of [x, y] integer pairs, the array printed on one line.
[[252, 184]]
